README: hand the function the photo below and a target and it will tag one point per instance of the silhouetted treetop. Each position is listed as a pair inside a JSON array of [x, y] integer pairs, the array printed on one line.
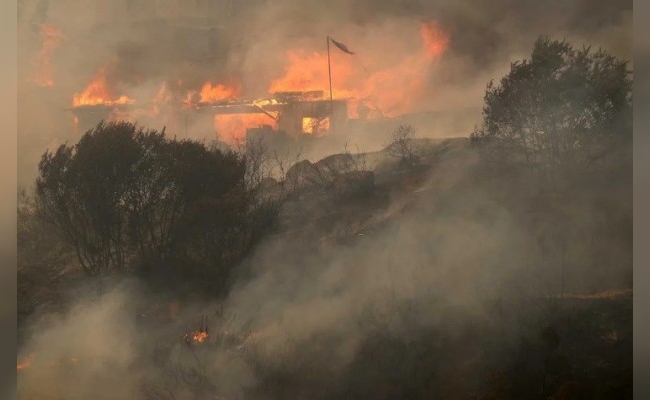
[[562, 110], [125, 196]]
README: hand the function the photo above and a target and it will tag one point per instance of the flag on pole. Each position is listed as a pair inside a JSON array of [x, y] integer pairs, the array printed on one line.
[[341, 46]]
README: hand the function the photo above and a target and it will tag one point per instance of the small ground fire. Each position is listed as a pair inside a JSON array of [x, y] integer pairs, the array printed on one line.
[[200, 335]]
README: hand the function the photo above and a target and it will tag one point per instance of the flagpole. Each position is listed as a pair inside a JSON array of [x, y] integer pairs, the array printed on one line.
[[329, 73]]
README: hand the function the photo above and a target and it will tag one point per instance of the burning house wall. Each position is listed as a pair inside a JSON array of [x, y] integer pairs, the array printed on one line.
[[313, 117], [297, 103]]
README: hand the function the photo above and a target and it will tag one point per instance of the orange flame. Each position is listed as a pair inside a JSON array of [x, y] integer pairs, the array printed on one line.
[[313, 126], [308, 71], [98, 93], [435, 40], [26, 363], [391, 91], [200, 336], [231, 128], [401, 88], [44, 74], [210, 93]]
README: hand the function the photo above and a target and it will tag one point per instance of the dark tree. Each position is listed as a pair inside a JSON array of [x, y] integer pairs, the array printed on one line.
[[125, 196], [563, 112], [83, 191]]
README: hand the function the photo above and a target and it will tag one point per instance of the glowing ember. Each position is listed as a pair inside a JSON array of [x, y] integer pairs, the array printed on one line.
[[44, 74], [200, 337], [25, 363], [98, 93]]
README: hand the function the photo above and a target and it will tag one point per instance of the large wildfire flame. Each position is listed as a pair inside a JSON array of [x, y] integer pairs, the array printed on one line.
[[232, 128], [308, 71], [98, 93], [390, 92], [210, 93], [44, 70]]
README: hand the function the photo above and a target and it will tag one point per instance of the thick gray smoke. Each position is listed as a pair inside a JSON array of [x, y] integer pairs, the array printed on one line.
[[338, 294], [306, 303], [84, 354], [451, 269]]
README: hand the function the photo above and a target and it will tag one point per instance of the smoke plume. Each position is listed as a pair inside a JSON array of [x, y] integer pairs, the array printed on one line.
[[425, 262]]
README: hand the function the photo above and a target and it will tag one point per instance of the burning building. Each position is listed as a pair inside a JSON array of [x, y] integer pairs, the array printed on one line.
[[285, 115], [292, 113], [296, 107]]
